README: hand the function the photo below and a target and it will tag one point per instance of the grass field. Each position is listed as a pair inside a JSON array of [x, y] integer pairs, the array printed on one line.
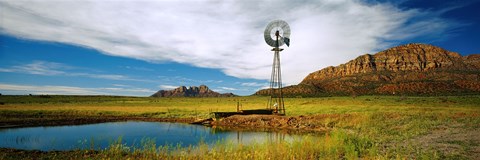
[[370, 127]]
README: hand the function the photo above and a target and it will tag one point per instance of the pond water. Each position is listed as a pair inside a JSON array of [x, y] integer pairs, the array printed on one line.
[[131, 133]]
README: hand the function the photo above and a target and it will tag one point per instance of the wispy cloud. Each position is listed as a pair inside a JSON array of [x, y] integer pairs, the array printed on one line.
[[37, 67], [70, 90], [228, 88], [138, 68], [183, 80], [109, 77], [59, 69], [121, 85], [226, 35], [254, 84], [263, 87], [48, 89], [167, 87]]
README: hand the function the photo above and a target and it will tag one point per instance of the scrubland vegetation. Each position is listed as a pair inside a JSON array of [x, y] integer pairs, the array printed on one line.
[[366, 127]]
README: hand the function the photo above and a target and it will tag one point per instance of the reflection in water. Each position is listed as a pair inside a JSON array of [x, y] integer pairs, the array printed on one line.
[[100, 136], [259, 137]]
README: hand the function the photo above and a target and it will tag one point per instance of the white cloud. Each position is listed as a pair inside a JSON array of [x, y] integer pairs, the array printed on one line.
[[262, 87], [37, 67], [69, 90], [138, 68], [53, 69], [228, 88], [187, 81], [167, 87], [48, 89], [227, 35], [121, 85], [253, 84]]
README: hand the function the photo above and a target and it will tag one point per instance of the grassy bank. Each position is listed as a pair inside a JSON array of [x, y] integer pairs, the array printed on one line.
[[383, 127]]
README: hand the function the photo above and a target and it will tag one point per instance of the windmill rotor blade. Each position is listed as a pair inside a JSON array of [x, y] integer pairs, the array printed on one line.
[[284, 33]]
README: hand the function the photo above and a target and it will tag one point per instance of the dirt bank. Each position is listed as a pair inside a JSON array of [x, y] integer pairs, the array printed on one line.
[[304, 123]]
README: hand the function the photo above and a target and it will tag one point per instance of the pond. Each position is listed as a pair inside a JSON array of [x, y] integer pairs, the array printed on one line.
[[131, 133]]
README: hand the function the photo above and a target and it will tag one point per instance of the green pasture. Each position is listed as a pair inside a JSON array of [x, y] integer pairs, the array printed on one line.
[[367, 127]]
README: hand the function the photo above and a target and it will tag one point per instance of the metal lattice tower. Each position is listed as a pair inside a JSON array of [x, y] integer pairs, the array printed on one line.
[[276, 34]]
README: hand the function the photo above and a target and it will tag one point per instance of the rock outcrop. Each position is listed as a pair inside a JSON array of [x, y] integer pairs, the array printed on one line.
[[416, 69], [192, 91]]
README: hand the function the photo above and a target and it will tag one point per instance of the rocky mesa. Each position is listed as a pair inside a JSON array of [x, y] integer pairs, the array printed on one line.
[[192, 91], [411, 69]]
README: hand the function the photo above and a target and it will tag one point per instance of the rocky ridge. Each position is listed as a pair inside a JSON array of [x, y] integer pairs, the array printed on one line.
[[192, 91], [418, 69]]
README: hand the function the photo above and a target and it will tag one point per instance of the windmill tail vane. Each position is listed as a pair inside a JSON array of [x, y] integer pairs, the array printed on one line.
[[287, 41]]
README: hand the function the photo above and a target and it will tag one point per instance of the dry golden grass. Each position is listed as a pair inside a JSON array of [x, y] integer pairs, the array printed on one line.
[[366, 127]]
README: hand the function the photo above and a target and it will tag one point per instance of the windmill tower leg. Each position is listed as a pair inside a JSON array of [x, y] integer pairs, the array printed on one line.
[[276, 95]]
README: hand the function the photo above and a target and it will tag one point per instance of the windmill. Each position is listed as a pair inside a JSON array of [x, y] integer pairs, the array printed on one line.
[[277, 34]]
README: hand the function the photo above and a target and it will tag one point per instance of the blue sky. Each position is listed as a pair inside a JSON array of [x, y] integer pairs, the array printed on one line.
[[136, 48], [68, 69]]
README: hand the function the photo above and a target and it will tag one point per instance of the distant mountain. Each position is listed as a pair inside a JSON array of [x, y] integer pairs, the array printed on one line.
[[411, 69], [192, 91]]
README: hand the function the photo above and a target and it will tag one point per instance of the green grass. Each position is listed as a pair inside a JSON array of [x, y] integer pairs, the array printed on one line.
[[92, 105], [189, 106], [369, 127]]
